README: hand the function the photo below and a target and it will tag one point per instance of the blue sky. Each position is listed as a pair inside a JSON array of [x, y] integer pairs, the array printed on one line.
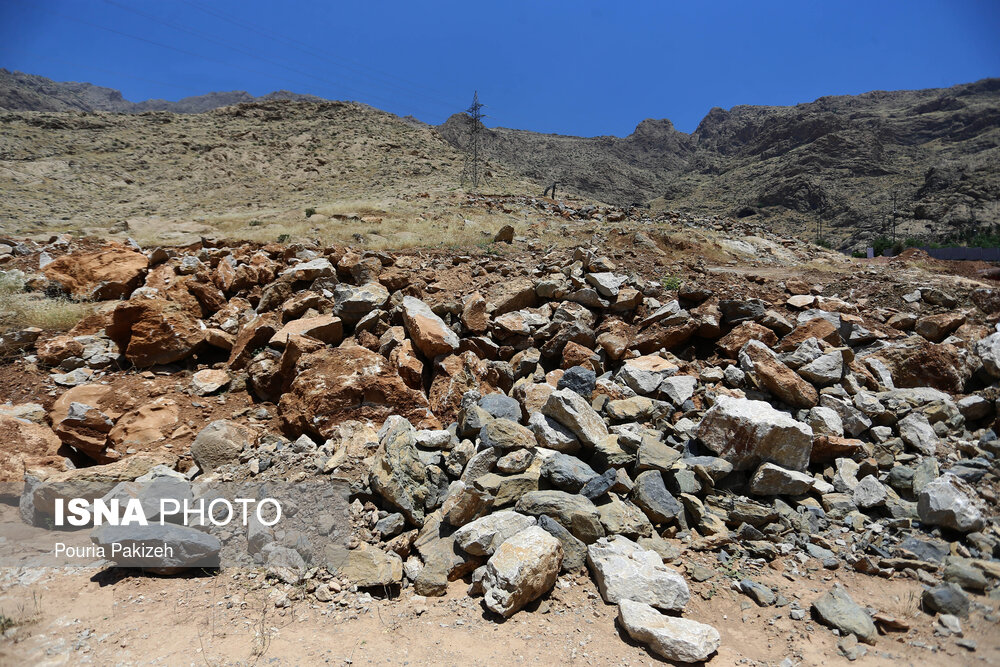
[[572, 67]]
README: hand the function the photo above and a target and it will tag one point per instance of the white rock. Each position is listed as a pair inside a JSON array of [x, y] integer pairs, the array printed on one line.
[[677, 639], [918, 433], [870, 493], [625, 571], [484, 536], [524, 568], [747, 433], [679, 388], [825, 421], [574, 412]]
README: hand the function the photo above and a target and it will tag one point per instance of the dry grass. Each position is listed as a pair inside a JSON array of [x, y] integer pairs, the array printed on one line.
[[20, 309]]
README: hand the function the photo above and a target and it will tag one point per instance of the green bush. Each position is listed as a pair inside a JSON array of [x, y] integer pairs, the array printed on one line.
[[310, 212], [880, 245], [670, 282]]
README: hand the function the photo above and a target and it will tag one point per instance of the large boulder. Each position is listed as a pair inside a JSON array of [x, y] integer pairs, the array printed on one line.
[[484, 536], [837, 610], [428, 331], [574, 412], [575, 513], [152, 332], [189, 547], [625, 571], [919, 363], [521, 570], [949, 501], [454, 375], [220, 443], [677, 639], [747, 433], [110, 273], [398, 474], [348, 382], [142, 429], [24, 445]]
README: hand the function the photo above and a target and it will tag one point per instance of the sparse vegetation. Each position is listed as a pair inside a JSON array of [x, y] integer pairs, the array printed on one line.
[[20, 308], [310, 212], [670, 282]]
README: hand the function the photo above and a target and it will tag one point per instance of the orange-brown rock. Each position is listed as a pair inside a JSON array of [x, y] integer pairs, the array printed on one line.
[[453, 376], [24, 445], [110, 273], [781, 380], [919, 363], [325, 328], [936, 328], [86, 430], [253, 335], [153, 331], [733, 342], [575, 354], [429, 332], [613, 336], [818, 328], [348, 382], [662, 335], [474, 316], [144, 429], [829, 447], [410, 368], [510, 295]]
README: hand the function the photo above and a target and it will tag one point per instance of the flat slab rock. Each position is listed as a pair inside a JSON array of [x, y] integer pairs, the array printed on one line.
[[678, 639]]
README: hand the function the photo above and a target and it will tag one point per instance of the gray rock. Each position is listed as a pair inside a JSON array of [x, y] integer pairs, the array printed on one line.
[[398, 474], [579, 379], [189, 547], [650, 494], [625, 571], [946, 599], [949, 501], [598, 486], [567, 473], [759, 593], [772, 480], [574, 412], [352, 303], [391, 525], [838, 610], [747, 433], [869, 493], [825, 370], [988, 349], [574, 551], [501, 407], [918, 433], [961, 572], [676, 639], [575, 513], [483, 536], [679, 388], [825, 421], [552, 435]]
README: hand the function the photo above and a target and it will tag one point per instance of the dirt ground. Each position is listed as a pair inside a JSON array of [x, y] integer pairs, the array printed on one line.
[[105, 616]]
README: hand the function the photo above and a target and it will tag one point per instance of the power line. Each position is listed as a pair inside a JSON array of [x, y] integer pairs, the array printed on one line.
[[471, 169]]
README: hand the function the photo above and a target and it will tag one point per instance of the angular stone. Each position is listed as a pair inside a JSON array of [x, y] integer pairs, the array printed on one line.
[[220, 443], [483, 536], [838, 610], [429, 332], [950, 502], [522, 569], [398, 474], [573, 411], [651, 495], [772, 480], [575, 513], [747, 433], [623, 570], [676, 639]]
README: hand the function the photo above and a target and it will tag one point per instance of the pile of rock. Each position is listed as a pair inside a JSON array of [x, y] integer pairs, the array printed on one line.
[[579, 417]]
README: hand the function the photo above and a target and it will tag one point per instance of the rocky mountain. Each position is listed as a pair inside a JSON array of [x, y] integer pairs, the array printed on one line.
[[838, 160], [29, 92], [835, 168]]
